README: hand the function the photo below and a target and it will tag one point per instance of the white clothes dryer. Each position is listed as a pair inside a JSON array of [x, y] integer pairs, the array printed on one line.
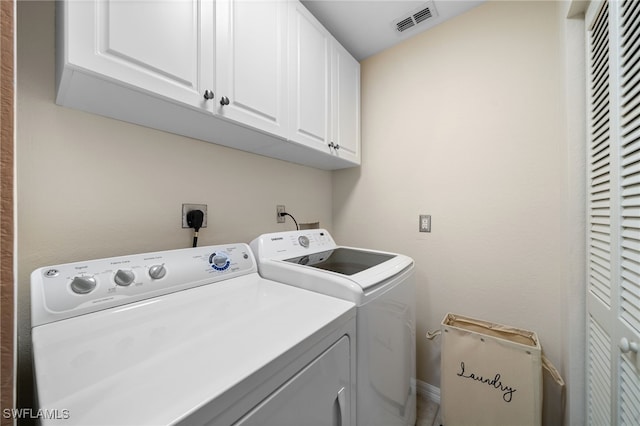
[[382, 286], [190, 336]]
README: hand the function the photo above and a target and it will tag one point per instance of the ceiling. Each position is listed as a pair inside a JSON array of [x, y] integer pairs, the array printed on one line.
[[366, 27]]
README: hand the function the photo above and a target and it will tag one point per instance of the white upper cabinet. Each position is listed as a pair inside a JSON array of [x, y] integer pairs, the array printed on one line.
[[310, 77], [324, 89], [251, 63], [345, 104], [160, 47], [262, 76]]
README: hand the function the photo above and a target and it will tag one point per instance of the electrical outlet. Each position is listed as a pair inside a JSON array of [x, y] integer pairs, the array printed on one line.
[[424, 224], [280, 209], [186, 208]]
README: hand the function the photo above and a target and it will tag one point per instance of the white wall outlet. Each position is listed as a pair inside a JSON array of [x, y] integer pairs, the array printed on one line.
[[280, 209], [186, 208], [424, 224]]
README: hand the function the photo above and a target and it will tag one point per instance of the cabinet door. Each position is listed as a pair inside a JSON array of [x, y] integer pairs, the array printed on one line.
[[345, 104], [319, 395], [251, 63], [160, 47], [309, 50]]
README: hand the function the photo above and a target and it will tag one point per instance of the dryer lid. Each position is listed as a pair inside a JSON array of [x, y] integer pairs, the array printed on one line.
[[162, 360]]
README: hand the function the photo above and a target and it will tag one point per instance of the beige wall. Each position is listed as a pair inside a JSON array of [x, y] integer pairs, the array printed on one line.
[[465, 122], [92, 187]]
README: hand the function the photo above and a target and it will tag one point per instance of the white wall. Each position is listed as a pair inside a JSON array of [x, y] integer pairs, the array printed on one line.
[[91, 187], [465, 122]]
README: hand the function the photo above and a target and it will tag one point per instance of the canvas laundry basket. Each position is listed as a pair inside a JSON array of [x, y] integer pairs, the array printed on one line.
[[491, 374]]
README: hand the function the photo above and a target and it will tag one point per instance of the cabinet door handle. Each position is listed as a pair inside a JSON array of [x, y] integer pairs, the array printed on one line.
[[224, 101], [342, 406], [334, 146], [208, 94]]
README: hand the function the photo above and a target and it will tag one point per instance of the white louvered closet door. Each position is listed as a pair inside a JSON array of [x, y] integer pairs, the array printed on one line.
[[613, 293]]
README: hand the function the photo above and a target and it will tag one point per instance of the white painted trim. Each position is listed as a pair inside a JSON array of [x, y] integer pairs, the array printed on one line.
[[427, 391], [574, 326]]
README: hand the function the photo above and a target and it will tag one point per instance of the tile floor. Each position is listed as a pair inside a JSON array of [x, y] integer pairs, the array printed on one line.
[[428, 413]]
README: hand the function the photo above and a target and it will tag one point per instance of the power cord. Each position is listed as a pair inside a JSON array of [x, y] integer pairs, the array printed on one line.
[[293, 218], [194, 220]]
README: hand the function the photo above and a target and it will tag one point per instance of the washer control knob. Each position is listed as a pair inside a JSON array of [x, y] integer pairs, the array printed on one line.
[[157, 271], [124, 277], [304, 241], [219, 261], [83, 285]]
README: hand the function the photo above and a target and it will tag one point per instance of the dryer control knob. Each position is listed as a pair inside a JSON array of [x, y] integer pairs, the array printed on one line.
[[157, 271], [124, 277], [83, 285], [219, 261], [304, 241]]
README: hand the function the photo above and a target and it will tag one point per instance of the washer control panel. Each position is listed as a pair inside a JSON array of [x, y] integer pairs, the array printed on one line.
[[82, 287], [283, 245]]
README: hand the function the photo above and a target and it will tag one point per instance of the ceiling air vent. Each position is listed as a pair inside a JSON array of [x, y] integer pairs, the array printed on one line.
[[405, 24], [422, 14]]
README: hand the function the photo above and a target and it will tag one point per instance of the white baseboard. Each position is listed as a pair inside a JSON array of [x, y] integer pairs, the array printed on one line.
[[427, 391]]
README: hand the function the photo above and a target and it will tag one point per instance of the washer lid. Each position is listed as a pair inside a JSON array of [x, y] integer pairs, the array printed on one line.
[[343, 260], [321, 265], [158, 361]]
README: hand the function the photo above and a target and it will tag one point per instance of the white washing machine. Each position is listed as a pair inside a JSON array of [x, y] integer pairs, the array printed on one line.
[[382, 287], [191, 336]]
